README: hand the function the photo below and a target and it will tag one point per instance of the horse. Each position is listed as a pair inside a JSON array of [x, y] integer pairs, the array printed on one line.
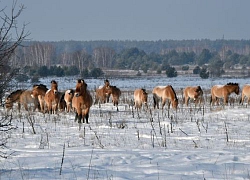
[[82, 101], [39, 92], [164, 93], [223, 91], [140, 97], [27, 101], [101, 94], [68, 96], [115, 95], [52, 97], [194, 92], [13, 97], [245, 93]]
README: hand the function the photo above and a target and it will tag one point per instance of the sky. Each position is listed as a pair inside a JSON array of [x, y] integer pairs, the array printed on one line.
[[84, 20]]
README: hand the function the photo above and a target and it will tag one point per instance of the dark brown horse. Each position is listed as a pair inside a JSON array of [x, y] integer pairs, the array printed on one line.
[[102, 94], [52, 98], [140, 98], [192, 92], [223, 91], [82, 101], [13, 97], [115, 95], [39, 92], [164, 93], [245, 93]]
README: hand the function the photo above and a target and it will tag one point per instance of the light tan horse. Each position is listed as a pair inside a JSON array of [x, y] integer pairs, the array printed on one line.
[[164, 93], [245, 93], [102, 94], [28, 101], [68, 96], [82, 101], [140, 98], [115, 95], [192, 92], [52, 98], [223, 91], [13, 97], [39, 92]]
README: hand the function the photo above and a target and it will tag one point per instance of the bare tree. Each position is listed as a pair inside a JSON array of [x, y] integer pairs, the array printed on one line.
[[11, 36]]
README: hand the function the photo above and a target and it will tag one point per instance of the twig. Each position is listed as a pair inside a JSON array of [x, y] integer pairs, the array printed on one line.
[[62, 159], [90, 164]]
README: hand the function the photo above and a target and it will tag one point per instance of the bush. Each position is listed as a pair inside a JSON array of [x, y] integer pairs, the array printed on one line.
[[171, 72], [96, 72], [22, 78], [197, 70]]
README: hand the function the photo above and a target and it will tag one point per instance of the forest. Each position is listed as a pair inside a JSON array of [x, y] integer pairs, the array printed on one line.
[[90, 58]]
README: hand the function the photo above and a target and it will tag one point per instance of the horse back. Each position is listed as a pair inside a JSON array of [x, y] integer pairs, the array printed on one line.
[[159, 91], [246, 90]]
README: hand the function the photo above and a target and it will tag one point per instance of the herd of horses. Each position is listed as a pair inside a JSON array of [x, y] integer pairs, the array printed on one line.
[[80, 100]]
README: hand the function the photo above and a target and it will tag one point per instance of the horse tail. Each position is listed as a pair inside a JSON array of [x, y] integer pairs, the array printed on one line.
[[211, 99]]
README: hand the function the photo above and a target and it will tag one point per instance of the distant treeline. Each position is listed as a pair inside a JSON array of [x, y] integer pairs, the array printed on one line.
[[135, 55]]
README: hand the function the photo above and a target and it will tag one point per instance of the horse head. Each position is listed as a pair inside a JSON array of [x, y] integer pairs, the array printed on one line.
[[81, 87], [54, 86]]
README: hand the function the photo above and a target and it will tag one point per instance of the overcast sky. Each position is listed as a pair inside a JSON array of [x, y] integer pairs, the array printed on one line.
[[55, 20]]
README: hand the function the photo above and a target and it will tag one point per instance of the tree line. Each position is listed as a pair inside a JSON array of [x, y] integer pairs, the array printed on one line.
[[41, 55]]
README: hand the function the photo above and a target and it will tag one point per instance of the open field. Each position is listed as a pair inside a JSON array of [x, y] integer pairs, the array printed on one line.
[[190, 143]]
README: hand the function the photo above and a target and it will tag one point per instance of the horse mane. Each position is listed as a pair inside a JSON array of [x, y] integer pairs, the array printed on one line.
[[53, 81], [234, 84], [80, 81], [144, 90], [106, 81], [19, 90], [198, 89], [173, 91], [40, 85]]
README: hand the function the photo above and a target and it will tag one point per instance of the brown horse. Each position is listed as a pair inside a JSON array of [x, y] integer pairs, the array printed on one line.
[[13, 97], [82, 101], [245, 93], [194, 92], [52, 97], [164, 93], [115, 95], [140, 97], [68, 96], [39, 92], [102, 94], [223, 91]]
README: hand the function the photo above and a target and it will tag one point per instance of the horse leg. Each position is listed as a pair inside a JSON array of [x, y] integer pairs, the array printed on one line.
[[19, 106], [155, 102], [116, 104], [87, 118], [186, 101], [163, 103], [226, 100]]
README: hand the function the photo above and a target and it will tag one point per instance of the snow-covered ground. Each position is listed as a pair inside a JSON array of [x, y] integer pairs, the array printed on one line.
[[192, 143]]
